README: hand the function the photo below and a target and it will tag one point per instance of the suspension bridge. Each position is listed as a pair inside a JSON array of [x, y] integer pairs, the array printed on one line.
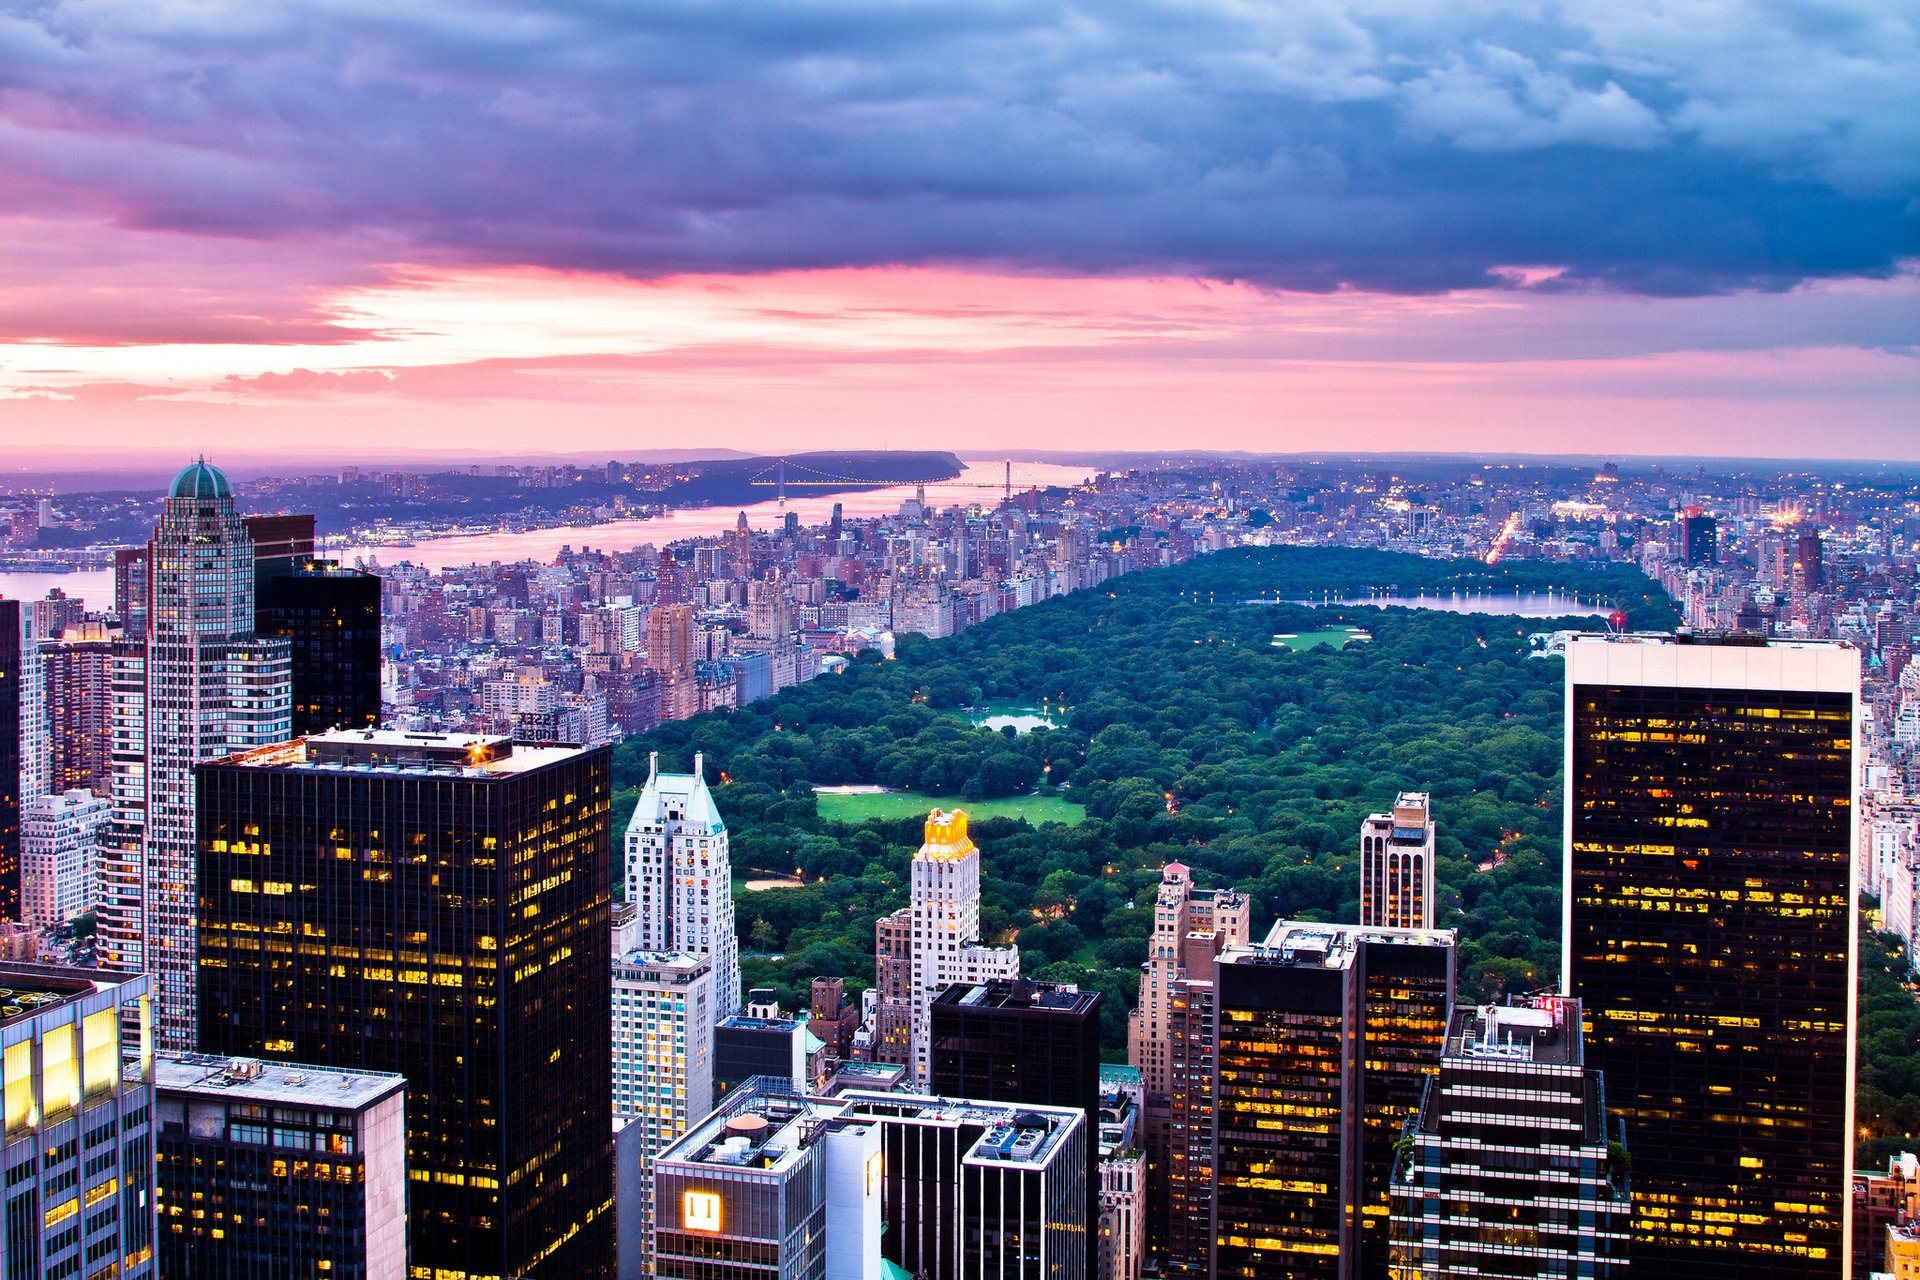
[[784, 475]]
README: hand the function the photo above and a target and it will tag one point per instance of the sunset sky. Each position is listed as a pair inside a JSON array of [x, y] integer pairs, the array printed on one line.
[[1673, 226]]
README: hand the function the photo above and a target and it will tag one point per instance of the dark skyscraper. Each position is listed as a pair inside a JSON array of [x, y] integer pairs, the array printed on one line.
[[331, 618], [1026, 1042], [1808, 555], [438, 906], [1710, 936], [1326, 1037], [1699, 538], [14, 673], [281, 545]]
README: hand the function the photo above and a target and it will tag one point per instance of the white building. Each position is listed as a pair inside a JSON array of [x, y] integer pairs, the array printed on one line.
[[945, 938], [60, 837], [662, 1063], [1396, 865], [680, 877], [212, 688]]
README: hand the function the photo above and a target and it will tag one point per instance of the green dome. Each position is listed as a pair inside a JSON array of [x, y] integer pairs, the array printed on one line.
[[199, 480]]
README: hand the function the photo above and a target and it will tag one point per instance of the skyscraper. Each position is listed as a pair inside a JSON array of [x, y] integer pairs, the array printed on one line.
[[450, 895], [680, 877], [1699, 538], [16, 669], [78, 668], [1343, 1024], [212, 687], [1172, 1050], [941, 927], [1710, 936], [1511, 1166], [330, 618], [60, 839], [1396, 865]]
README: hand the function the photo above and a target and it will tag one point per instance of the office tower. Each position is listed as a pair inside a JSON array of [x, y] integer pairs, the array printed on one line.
[[450, 894], [1190, 926], [1511, 1166], [761, 1041], [60, 838], [940, 933], [1699, 538], [680, 877], [120, 865], [670, 639], [16, 668], [278, 1171], [1710, 936], [212, 688], [1180, 1191], [1120, 1239], [78, 670], [975, 1188], [282, 544], [1396, 865], [1809, 556], [1345, 1023], [79, 1136], [772, 1186], [662, 1065], [132, 590], [330, 618], [1022, 1041]]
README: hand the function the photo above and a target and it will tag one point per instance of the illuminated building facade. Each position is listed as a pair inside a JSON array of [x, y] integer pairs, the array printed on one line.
[[78, 1158], [1171, 1045], [1396, 864], [1710, 937], [78, 669], [330, 618], [1508, 1169], [1327, 1035], [212, 688], [279, 1170], [435, 905], [16, 668], [680, 877], [60, 838], [662, 1059]]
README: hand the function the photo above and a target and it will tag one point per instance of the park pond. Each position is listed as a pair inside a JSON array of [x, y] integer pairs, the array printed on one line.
[[1018, 716]]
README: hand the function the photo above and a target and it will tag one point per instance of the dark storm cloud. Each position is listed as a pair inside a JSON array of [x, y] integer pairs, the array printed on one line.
[[1689, 148]]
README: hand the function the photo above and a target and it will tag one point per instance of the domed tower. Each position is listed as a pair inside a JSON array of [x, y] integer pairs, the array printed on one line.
[[212, 688]]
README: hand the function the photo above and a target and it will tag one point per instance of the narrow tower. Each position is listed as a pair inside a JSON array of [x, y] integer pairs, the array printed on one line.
[[680, 877]]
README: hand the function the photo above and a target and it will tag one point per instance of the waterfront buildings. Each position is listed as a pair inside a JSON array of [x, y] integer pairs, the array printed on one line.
[[279, 1171], [78, 1159], [1396, 864], [679, 876], [1343, 1024], [933, 943], [60, 839], [1710, 937], [1511, 1166], [450, 896], [212, 687]]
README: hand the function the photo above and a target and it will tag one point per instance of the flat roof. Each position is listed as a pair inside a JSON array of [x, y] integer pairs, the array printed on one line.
[[30, 989], [1018, 995], [397, 752], [1015, 1133], [1311, 944], [209, 1075]]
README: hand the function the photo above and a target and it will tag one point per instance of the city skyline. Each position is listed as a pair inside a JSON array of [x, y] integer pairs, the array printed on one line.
[[1357, 224]]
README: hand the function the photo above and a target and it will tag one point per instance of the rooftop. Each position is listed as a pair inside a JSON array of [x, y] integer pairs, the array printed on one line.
[[469, 755], [683, 797], [1310, 944], [198, 479], [1543, 1029], [1014, 1134], [30, 989], [1020, 994], [279, 1083]]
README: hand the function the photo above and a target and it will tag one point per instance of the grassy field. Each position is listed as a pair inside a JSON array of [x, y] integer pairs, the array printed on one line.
[[1335, 637], [913, 804]]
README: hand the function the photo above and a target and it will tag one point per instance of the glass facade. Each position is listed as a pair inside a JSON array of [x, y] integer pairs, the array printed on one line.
[[330, 618], [448, 922], [1710, 938]]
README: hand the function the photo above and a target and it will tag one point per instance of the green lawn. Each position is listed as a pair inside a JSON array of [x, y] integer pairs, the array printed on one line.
[[913, 804], [1336, 637]]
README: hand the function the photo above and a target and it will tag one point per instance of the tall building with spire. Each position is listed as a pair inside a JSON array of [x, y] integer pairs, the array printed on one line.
[[941, 932], [680, 876], [211, 688]]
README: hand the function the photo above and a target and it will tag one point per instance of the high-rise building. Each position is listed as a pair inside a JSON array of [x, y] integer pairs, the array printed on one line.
[[1120, 1236], [680, 877], [941, 931], [1396, 864], [79, 1124], [1511, 1166], [1180, 1192], [132, 590], [16, 669], [772, 1186], [662, 1063], [282, 544], [451, 895], [1710, 936], [330, 618], [78, 670], [60, 839], [212, 688], [279, 1170], [980, 1188], [1810, 560], [670, 639], [1022, 1041], [1190, 926], [1699, 538], [121, 866], [1344, 1023]]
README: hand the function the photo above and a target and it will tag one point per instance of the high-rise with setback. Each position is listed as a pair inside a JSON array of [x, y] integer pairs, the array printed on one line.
[[679, 876], [1710, 936], [436, 905], [1396, 864]]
